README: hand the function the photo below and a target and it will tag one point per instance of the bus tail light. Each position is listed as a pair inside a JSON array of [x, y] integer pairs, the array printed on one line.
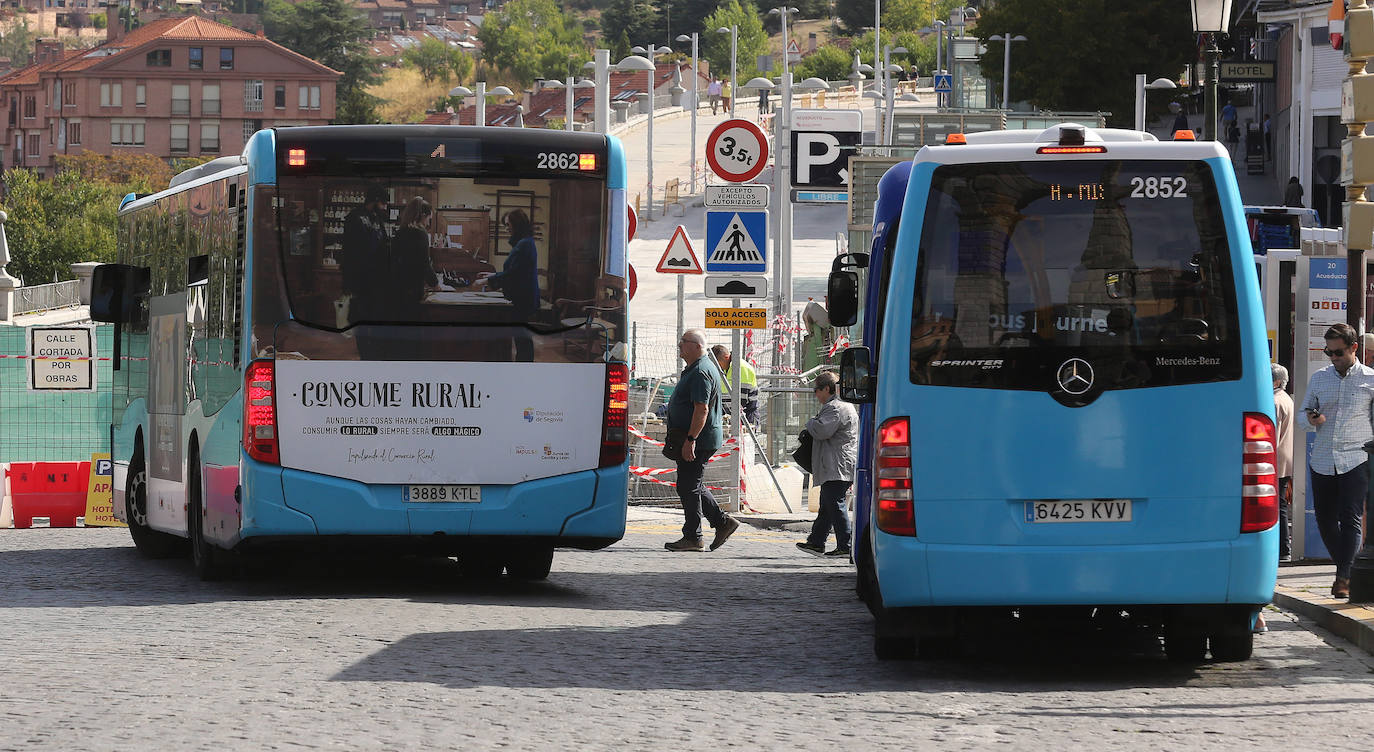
[[613, 433], [1259, 503], [260, 412], [895, 512]]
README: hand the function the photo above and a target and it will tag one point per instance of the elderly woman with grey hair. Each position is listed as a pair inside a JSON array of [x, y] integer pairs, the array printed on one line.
[[1283, 429]]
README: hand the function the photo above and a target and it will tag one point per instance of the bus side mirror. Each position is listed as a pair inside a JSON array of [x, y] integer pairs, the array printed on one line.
[[115, 290], [856, 380], [842, 289], [842, 298]]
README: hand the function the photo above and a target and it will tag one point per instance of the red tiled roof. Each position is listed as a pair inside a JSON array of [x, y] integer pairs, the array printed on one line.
[[29, 74], [190, 28]]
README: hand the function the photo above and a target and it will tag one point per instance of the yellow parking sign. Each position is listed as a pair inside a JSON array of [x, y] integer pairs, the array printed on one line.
[[736, 318]]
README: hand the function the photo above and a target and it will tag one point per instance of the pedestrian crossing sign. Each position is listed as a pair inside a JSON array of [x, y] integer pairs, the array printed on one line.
[[737, 241], [944, 83]]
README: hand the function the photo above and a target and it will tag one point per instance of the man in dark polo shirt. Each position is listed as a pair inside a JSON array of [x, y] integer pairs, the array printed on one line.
[[695, 407]]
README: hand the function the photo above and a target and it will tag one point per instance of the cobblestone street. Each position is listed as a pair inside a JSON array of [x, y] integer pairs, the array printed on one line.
[[752, 646]]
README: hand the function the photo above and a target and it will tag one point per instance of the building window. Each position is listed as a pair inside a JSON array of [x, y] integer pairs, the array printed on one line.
[[14, 116], [252, 96], [73, 133], [197, 58], [226, 58], [35, 143], [111, 94], [69, 95], [160, 59], [181, 99], [179, 140], [30, 108], [209, 99], [126, 133], [310, 98], [209, 137], [141, 95], [249, 128], [279, 97]]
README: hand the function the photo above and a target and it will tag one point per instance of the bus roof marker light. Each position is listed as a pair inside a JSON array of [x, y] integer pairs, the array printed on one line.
[[295, 157], [1184, 135], [956, 139]]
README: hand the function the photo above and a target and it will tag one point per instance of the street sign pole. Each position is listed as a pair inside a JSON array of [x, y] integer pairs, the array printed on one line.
[[681, 294], [736, 356]]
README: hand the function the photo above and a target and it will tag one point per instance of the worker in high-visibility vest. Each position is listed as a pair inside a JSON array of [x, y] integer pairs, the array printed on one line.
[[748, 383]]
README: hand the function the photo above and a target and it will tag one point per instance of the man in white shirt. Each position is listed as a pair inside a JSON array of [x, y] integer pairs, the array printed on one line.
[[1283, 430], [1340, 406]]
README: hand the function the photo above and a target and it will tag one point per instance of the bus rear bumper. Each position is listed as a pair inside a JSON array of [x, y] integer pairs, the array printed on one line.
[[583, 510], [1241, 571]]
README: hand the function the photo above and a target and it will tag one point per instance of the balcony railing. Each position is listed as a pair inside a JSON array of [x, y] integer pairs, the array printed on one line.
[[47, 297]]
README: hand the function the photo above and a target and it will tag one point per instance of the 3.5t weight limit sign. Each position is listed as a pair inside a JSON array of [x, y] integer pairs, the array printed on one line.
[[737, 150]]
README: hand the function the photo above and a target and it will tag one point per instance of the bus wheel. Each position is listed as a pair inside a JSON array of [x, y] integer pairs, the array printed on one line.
[[149, 542], [210, 561], [893, 636], [530, 562], [1185, 647], [1233, 647]]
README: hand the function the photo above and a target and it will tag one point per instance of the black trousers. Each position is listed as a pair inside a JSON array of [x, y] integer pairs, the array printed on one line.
[[1338, 501]]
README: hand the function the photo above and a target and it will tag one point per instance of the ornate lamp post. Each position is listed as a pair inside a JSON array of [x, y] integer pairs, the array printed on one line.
[[1211, 17]]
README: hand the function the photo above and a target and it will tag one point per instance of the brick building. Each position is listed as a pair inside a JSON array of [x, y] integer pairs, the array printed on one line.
[[178, 87]]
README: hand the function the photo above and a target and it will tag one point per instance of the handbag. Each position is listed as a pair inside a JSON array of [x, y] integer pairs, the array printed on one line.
[[802, 454], [672, 443]]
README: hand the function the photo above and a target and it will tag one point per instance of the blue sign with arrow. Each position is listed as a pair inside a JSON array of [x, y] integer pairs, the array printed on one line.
[[737, 241]]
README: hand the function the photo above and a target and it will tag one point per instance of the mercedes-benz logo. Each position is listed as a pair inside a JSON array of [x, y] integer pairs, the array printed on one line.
[[1075, 376]]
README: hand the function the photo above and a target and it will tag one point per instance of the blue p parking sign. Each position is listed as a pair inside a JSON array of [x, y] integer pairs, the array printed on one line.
[[737, 241]]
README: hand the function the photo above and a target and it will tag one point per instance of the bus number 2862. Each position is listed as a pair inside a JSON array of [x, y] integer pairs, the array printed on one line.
[[550, 160]]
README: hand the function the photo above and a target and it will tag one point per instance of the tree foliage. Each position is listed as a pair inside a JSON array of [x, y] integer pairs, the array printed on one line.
[[72, 217], [17, 45], [828, 62], [627, 23], [533, 39], [55, 223], [898, 15], [332, 33], [752, 39], [435, 60], [1083, 55]]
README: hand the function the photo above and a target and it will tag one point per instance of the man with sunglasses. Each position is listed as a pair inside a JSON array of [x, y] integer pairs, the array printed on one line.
[[1340, 406]]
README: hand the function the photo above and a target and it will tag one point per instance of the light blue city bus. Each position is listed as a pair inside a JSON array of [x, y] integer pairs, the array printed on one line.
[[407, 338], [1064, 393]]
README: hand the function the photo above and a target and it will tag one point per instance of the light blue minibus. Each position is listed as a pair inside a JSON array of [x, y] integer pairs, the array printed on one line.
[[1065, 394]]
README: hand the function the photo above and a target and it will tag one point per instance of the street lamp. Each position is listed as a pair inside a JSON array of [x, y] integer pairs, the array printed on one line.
[[1140, 87], [693, 39], [889, 90], [568, 87], [482, 94], [782, 13], [733, 31], [638, 63], [1006, 40], [1211, 17]]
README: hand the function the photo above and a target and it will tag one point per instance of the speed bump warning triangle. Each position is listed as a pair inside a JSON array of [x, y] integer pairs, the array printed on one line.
[[678, 257]]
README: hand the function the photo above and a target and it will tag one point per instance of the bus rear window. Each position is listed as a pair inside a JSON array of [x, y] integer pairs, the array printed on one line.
[[1023, 266]]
